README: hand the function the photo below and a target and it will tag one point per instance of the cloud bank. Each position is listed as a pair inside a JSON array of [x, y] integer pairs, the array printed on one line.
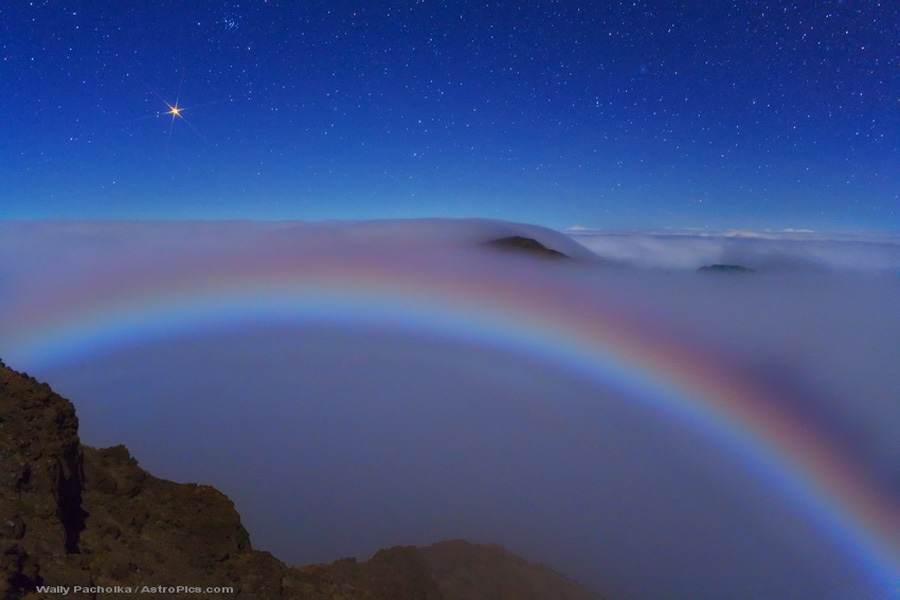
[[790, 250]]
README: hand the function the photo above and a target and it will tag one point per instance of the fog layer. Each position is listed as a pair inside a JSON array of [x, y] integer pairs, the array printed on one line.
[[338, 436]]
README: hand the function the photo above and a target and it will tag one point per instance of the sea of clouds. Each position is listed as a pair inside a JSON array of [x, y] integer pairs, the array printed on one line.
[[786, 250], [338, 438]]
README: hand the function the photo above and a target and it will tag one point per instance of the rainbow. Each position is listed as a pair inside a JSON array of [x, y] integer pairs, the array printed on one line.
[[507, 305]]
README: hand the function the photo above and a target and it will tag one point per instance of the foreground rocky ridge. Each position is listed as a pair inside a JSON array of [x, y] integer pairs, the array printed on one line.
[[71, 515]]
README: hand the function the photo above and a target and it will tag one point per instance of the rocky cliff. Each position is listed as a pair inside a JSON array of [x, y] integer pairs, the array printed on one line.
[[71, 515]]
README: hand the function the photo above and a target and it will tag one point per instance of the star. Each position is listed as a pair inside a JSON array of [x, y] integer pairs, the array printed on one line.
[[176, 111]]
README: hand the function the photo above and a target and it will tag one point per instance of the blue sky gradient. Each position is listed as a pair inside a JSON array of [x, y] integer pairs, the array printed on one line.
[[744, 114]]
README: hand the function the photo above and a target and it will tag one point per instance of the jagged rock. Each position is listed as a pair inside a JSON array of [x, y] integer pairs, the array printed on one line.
[[40, 495], [75, 515], [71, 515]]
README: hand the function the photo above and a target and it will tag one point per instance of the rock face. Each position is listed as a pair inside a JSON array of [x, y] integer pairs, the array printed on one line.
[[518, 243], [71, 515], [41, 484]]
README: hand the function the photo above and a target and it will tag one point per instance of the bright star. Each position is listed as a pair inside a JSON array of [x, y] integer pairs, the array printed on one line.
[[176, 111]]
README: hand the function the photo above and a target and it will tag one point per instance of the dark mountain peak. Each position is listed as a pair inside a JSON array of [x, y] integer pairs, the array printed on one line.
[[725, 269], [526, 245]]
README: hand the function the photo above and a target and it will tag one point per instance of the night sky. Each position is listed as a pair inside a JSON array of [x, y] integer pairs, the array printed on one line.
[[716, 114]]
